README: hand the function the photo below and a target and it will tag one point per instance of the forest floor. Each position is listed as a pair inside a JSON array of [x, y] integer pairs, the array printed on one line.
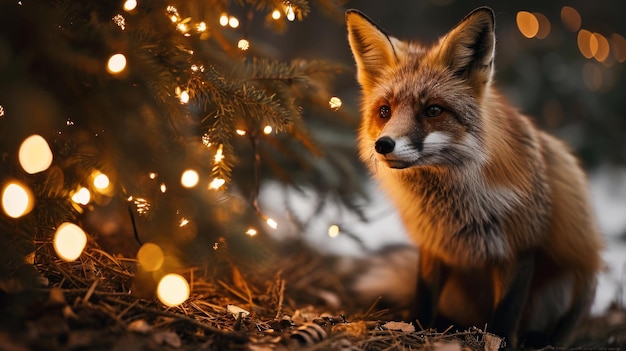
[[294, 301]]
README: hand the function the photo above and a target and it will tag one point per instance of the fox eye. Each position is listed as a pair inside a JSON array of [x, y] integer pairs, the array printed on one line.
[[385, 111], [433, 111]]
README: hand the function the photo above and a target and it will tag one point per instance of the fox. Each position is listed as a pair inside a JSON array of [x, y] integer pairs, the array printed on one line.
[[498, 209]]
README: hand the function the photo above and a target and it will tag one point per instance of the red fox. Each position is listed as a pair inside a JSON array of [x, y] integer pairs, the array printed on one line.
[[498, 209]]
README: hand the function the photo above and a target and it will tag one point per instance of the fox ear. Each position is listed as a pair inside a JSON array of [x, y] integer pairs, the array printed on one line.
[[469, 48], [372, 48]]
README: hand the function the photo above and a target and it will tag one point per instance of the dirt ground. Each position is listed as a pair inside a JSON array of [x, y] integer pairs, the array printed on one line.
[[102, 302]]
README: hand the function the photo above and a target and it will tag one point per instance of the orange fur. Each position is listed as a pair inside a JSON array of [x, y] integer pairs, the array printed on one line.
[[499, 209]]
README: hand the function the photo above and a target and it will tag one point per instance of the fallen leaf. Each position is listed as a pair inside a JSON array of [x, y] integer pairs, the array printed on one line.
[[236, 310], [401, 326]]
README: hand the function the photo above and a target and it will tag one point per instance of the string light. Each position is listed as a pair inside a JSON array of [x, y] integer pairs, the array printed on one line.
[[333, 231], [173, 12], [69, 241], [291, 15], [272, 223], [17, 200], [173, 290], [101, 181], [224, 20], [182, 27], [163, 188], [335, 103], [251, 232], [184, 97], [116, 63], [276, 14], [120, 21], [82, 196], [1, 111], [233, 22], [219, 154], [267, 129], [189, 178], [240, 132], [183, 222], [206, 139], [130, 5], [152, 175], [150, 257], [34, 154], [201, 27], [217, 183], [243, 44], [142, 205]]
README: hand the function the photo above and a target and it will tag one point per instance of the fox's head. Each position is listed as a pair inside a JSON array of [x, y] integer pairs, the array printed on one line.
[[421, 104]]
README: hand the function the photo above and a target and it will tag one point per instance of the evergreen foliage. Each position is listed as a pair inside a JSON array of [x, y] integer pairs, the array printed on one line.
[[188, 98]]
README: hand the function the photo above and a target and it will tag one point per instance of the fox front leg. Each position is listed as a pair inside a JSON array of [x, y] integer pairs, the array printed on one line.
[[511, 294], [430, 278]]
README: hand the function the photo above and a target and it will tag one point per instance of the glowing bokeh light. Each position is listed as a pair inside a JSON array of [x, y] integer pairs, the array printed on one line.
[[276, 14], [243, 44], [251, 232], [163, 188], [69, 241], [217, 183], [289, 12], [272, 223], [201, 27], [527, 24], [219, 154], [240, 132], [101, 181], [544, 25], [184, 97], [150, 257], [618, 43], [17, 200], [587, 43], [189, 178], [571, 18], [116, 63], [35, 155], [267, 129], [224, 20], [130, 5], [335, 103], [603, 50], [233, 22], [173, 290], [82, 196], [333, 231]]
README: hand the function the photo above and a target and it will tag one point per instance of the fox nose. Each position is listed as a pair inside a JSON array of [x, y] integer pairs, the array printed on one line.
[[384, 145]]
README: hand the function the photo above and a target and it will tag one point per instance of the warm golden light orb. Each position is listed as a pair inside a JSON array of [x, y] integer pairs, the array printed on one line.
[[116, 63], [150, 257], [17, 200], [69, 241], [35, 155], [189, 178], [173, 290]]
